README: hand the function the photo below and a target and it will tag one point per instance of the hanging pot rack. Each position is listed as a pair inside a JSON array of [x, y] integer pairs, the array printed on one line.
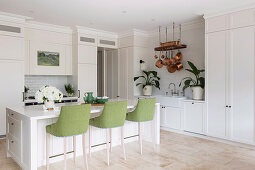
[[170, 45]]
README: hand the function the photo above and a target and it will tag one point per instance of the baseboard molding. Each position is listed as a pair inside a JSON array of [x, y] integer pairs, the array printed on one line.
[[203, 136]]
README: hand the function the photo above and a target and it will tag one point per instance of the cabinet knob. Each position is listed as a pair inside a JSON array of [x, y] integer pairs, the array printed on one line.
[[192, 102], [226, 105], [229, 106], [12, 141], [12, 123]]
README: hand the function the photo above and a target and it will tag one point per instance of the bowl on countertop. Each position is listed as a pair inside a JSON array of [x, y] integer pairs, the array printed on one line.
[[102, 100]]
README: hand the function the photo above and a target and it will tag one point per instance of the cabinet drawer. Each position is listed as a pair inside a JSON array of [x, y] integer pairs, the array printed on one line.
[[14, 146], [12, 114], [14, 127]]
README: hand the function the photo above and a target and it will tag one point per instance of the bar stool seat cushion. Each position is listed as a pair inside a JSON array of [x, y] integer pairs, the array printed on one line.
[[73, 120], [144, 111]]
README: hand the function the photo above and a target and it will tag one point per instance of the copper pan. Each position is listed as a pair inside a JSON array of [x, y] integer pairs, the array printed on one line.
[[159, 62], [179, 66], [178, 57], [171, 68]]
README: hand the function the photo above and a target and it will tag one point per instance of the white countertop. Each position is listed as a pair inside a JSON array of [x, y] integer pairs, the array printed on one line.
[[37, 112]]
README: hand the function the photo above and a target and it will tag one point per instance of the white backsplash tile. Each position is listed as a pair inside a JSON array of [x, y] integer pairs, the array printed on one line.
[[34, 83]]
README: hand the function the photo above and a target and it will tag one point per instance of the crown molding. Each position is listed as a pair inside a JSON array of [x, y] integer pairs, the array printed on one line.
[[210, 14], [48, 27]]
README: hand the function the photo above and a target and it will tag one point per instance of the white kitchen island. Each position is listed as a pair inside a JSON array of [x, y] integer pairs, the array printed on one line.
[[26, 134]]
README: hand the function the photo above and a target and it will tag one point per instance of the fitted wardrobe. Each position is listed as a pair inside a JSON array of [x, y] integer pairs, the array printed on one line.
[[230, 75]]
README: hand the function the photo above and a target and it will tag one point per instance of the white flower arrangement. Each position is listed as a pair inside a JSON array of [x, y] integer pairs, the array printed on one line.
[[48, 93]]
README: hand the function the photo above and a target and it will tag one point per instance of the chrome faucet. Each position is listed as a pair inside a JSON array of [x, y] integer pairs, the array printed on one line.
[[174, 91]]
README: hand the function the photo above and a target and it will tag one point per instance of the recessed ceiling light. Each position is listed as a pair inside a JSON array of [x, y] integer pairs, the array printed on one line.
[[124, 12], [153, 20]]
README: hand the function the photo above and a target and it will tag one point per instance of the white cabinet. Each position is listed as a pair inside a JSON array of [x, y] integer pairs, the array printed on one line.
[[87, 79], [194, 116], [218, 23], [242, 18], [241, 84], [230, 80], [6, 47], [216, 83], [12, 86], [87, 54], [170, 117]]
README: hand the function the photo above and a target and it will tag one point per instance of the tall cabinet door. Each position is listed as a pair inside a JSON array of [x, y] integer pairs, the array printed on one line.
[[12, 86], [242, 83], [87, 79], [216, 83]]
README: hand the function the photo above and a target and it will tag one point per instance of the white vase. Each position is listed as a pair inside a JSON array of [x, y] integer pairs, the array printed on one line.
[[49, 104], [197, 92], [147, 90]]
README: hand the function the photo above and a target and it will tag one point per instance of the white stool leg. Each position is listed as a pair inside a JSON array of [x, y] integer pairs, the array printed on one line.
[[107, 147], [140, 137], [122, 142], [47, 151], [84, 151], [74, 148], [64, 153], [90, 140], [110, 139]]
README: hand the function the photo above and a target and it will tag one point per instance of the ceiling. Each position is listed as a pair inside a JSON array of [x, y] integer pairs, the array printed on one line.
[[116, 15]]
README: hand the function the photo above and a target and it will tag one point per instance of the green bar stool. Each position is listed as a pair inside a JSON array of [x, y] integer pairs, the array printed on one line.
[[144, 112], [113, 115], [72, 121]]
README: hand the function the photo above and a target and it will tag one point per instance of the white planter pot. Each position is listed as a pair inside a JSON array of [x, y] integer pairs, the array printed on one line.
[[197, 92], [147, 90], [49, 104]]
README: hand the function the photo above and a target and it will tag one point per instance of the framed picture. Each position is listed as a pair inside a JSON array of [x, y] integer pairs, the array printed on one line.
[[46, 58]]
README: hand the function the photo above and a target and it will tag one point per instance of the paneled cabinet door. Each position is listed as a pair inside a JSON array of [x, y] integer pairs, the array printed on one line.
[[242, 83], [216, 83], [87, 54], [173, 118], [12, 86], [87, 79], [193, 117]]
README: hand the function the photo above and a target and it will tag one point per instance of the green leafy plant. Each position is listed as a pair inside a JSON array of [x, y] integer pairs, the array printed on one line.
[[26, 89], [151, 78], [69, 89], [190, 82]]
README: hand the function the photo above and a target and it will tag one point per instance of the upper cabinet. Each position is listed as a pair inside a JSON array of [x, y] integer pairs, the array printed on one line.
[[242, 18], [231, 20], [48, 50], [214, 24]]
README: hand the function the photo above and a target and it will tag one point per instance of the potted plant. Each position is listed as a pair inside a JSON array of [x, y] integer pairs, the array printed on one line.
[[197, 85], [69, 89], [151, 79]]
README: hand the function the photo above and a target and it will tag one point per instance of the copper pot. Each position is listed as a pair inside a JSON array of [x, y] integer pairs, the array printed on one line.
[[179, 66], [178, 57], [159, 63], [171, 68]]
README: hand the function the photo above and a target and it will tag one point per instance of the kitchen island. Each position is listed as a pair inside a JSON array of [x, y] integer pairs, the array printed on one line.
[[26, 134]]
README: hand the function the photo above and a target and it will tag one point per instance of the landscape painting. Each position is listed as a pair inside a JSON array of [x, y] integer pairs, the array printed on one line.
[[46, 58]]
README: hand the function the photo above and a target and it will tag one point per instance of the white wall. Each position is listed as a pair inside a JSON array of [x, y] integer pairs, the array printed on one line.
[[193, 37]]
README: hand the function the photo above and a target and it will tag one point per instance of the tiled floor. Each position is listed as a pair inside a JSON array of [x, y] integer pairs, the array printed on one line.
[[175, 152]]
